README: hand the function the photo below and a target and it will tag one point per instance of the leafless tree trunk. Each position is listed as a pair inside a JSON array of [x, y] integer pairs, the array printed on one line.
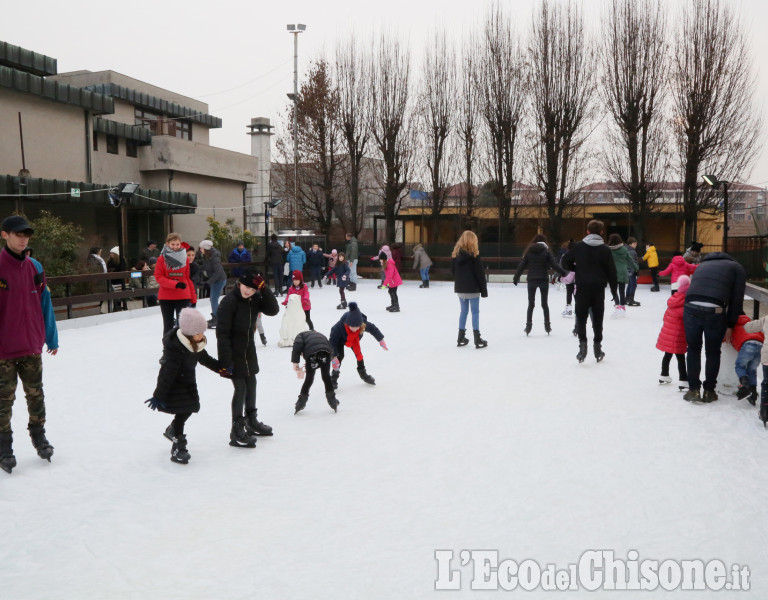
[[563, 88], [390, 121], [635, 62], [713, 89], [468, 124], [502, 81], [353, 89], [436, 119]]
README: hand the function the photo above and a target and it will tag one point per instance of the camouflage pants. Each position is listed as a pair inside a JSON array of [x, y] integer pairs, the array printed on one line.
[[30, 370]]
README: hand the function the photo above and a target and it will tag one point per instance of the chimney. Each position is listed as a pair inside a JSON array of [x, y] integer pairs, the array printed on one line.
[[256, 194]]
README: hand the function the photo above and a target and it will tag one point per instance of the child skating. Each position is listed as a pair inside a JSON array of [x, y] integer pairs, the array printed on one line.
[[342, 274], [347, 333], [176, 391], [316, 350], [392, 281], [672, 336]]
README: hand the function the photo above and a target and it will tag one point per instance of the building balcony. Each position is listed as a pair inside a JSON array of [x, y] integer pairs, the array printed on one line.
[[168, 153]]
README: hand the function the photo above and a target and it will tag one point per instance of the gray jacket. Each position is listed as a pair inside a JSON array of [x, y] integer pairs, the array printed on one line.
[[212, 266], [421, 259]]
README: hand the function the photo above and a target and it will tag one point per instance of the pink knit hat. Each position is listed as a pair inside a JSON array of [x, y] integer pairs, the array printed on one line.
[[682, 283], [192, 322]]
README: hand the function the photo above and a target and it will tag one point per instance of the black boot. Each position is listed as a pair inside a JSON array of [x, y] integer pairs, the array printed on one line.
[[255, 427], [179, 452], [263, 339], [335, 379], [239, 437], [423, 284], [479, 342], [301, 403], [763, 413], [7, 459], [426, 283], [364, 374], [212, 322], [169, 432], [462, 341], [744, 388], [582, 352], [394, 308], [528, 327], [752, 394], [343, 305], [333, 402], [599, 354], [547, 327], [44, 449]]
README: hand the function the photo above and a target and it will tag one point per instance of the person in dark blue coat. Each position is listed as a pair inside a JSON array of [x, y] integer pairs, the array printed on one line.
[[347, 333], [342, 274], [239, 255], [316, 262]]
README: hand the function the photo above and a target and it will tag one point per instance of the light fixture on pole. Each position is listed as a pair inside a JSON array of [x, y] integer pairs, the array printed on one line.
[[295, 30], [118, 197], [713, 182]]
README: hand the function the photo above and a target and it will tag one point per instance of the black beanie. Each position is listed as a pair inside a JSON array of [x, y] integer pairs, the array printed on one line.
[[248, 276], [354, 316]]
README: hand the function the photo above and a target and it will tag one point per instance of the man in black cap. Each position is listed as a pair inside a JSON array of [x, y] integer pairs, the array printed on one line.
[[151, 251], [26, 323]]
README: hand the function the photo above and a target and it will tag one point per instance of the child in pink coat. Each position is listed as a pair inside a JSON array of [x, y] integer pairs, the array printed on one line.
[[676, 268], [392, 281], [672, 336], [300, 288], [332, 257]]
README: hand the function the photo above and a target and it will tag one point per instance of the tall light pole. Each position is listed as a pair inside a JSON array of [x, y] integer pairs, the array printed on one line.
[[295, 30], [714, 183]]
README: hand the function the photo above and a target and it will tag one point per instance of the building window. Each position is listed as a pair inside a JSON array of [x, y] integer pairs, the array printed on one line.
[[95, 142], [112, 144], [148, 120], [131, 148]]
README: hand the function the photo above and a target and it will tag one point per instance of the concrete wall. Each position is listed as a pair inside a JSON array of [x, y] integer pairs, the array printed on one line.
[[54, 137], [113, 168]]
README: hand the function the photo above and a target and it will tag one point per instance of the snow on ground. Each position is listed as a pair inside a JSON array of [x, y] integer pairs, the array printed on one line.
[[515, 448]]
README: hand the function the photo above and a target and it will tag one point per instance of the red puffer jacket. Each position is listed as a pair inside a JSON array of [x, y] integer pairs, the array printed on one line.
[[672, 335], [739, 336], [168, 278]]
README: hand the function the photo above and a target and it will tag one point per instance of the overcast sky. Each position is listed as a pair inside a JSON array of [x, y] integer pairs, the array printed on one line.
[[238, 57]]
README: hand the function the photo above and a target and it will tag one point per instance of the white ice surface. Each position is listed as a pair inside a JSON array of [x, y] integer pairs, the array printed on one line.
[[515, 447]]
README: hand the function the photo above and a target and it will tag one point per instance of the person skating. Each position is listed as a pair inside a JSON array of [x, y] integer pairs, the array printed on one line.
[[176, 391], [677, 267], [624, 264], [392, 281], [671, 339], [347, 333], [316, 350], [631, 246], [341, 273], [538, 260], [469, 285], [315, 262], [236, 324], [422, 263], [594, 267], [652, 259], [27, 322], [216, 276], [176, 288]]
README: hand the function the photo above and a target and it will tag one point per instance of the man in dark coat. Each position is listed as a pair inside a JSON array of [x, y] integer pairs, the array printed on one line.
[[593, 263], [351, 252], [274, 263], [235, 326], [712, 307], [316, 350]]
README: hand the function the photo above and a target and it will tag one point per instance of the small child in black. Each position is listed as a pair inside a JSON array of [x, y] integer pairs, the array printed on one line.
[[316, 350]]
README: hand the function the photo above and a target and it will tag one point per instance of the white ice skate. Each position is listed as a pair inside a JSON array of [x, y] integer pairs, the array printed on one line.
[[567, 311]]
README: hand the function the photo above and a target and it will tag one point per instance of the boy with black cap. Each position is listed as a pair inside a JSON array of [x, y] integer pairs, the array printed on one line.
[[235, 326], [317, 351], [26, 323], [347, 333]]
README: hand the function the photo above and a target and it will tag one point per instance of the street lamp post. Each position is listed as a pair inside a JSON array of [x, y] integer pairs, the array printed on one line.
[[295, 30], [714, 183]]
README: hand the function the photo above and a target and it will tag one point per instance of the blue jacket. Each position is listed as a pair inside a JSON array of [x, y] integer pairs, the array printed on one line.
[[237, 256], [315, 258], [296, 258], [342, 272], [51, 331]]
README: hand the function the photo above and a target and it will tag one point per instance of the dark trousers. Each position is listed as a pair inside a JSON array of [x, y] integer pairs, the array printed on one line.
[[342, 295], [569, 292], [393, 296], [277, 275], [622, 295], [590, 299], [655, 276], [543, 287], [683, 374], [316, 274], [170, 310], [178, 423], [244, 398], [309, 321], [708, 323], [325, 373], [632, 286]]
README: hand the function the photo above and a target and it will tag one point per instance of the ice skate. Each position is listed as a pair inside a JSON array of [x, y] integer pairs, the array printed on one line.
[[462, 341], [179, 453], [567, 312], [255, 427], [238, 437], [582, 352], [664, 379], [333, 402], [7, 459], [599, 354], [44, 449], [300, 403], [479, 341]]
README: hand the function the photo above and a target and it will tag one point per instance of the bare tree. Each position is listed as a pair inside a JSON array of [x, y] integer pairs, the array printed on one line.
[[390, 121], [352, 88], [468, 123], [713, 89], [502, 81], [635, 62], [563, 87], [319, 160], [436, 119]]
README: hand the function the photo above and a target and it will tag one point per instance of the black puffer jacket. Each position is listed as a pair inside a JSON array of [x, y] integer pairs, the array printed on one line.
[[274, 256], [176, 384], [468, 274], [721, 280], [538, 260], [338, 337], [593, 262], [308, 343], [235, 325]]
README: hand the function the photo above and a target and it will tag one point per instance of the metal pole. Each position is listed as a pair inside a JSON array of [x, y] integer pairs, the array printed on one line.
[[725, 216], [295, 125]]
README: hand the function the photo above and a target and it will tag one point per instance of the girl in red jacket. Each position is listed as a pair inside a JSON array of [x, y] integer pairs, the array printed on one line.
[[672, 336], [676, 268], [172, 274], [300, 288], [749, 346]]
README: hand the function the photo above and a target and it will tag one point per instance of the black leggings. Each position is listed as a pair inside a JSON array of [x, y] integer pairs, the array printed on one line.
[[543, 287], [622, 293], [569, 292], [680, 365], [170, 310], [655, 276], [244, 398], [325, 373], [178, 423], [393, 296]]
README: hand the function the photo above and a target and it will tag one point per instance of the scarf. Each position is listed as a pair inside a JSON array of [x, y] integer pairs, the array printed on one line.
[[174, 260], [353, 341]]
